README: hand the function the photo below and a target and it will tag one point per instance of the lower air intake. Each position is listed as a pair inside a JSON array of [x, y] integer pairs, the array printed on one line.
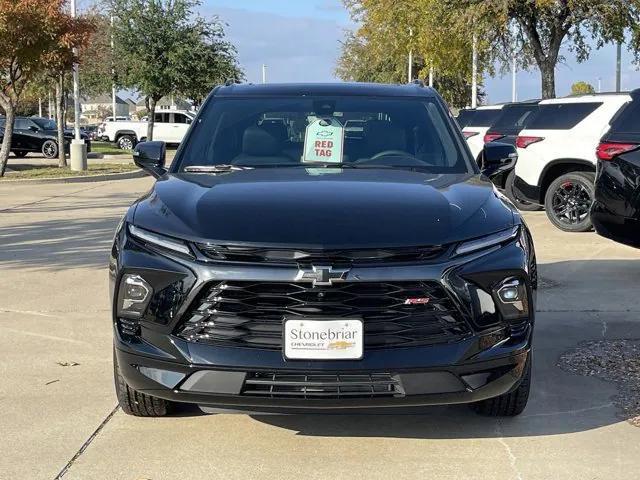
[[294, 385]]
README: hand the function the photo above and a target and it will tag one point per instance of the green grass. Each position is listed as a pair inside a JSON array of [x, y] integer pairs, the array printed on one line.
[[107, 148], [20, 172], [111, 149]]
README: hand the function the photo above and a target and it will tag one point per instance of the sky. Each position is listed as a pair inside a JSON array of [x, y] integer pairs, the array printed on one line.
[[299, 41]]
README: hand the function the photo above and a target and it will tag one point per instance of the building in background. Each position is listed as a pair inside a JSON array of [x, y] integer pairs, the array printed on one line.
[[132, 107], [96, 109]]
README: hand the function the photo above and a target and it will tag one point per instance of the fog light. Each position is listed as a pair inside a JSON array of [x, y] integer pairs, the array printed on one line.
[[509, 293], [135, 294], [513, 302]]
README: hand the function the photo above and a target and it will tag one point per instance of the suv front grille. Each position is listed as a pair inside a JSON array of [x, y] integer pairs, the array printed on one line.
[[232, 253], [251, 314], [295, 385]]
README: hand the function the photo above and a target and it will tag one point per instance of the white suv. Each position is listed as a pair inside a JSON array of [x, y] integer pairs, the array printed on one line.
[[477, 125], [557, 156]]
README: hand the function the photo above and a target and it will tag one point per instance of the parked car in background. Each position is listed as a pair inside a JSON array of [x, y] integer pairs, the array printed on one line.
[[91, 131], [615, 213], [34, 134], [269, 272], [464, 116], [170, 127], [557, 156], [505, 129], [477, 125]]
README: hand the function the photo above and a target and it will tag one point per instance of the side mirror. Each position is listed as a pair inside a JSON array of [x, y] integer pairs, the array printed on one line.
[[33, 128], [498, 158], [151, 157]]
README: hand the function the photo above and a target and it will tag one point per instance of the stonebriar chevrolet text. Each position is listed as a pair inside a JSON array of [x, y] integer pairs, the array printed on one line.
[[285, 263]]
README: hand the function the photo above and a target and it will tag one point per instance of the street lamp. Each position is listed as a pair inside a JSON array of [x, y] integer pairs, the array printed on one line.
[[474, 73], [410, 60], [78, 148]]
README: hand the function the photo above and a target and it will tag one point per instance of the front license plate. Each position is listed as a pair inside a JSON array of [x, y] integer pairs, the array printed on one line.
[[323, 339]]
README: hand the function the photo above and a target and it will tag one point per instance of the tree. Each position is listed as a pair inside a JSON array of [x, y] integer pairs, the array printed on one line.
[[32, 35], [58, 61], [168, 49], [541, 27], [100, 67], [208, 61], [580, 88], [377, 51]]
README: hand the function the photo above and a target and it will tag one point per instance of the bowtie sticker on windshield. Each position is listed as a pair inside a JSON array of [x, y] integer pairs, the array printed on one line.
[[323, 141]]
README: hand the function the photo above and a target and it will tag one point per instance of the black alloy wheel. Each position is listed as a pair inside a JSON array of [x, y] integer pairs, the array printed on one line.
[[50, 149], [568, 200]]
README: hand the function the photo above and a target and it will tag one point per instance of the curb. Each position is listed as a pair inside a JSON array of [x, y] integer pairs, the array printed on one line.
[[78, 179]]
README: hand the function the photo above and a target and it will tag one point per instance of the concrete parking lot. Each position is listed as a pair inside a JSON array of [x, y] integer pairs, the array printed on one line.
[[57, 404]]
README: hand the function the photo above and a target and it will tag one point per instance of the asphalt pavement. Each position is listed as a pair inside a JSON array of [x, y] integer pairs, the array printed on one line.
[[57, 404]]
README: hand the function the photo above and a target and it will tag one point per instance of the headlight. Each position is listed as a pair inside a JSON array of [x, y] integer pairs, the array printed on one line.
[[134, 296], [488, 241], [160, 241]]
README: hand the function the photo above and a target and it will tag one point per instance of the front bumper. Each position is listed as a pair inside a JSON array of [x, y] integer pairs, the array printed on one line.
[[225, 387], [487, 363]]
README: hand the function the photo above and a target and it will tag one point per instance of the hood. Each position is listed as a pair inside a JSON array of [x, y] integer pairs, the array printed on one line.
[[324, 208]]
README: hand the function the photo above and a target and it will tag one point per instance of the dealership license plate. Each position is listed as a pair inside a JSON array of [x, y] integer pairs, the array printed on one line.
[[323, 339]]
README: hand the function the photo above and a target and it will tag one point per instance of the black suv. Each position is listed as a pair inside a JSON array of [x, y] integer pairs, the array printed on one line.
[[281, 265], [615, 212], [513, 118], [34, 134]]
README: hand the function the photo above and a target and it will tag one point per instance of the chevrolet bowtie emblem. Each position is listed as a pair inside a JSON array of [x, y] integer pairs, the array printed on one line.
[[322, 275]]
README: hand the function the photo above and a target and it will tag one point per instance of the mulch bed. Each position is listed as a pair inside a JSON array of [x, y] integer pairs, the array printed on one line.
[[616, 361]]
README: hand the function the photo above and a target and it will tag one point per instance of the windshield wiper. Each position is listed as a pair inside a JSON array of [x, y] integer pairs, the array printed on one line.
[[345, 165], [215, 168]]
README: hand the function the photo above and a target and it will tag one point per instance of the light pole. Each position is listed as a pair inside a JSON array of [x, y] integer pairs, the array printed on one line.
[[474, 73], [514, 74], [78, 147], [618, 65], [113, 77], [410, 66]]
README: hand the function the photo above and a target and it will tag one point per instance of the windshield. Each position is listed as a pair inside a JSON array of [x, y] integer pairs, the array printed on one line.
[[344, 131], [45, 124]]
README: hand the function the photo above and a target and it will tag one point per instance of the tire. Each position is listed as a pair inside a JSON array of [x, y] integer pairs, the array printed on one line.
[[521, 204], [510, 404], [20, 153], [135, 403], [126, 142], [50, 149], [568, 200]]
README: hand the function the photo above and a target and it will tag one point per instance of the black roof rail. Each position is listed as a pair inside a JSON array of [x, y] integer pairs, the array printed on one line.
[[417, 82]]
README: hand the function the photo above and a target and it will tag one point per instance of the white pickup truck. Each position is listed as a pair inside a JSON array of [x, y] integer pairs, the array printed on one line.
[[170, 126]]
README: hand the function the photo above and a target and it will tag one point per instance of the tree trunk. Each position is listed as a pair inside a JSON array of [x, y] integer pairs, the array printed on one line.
[[9, 110], [548, 76], [151, 113], [62, 158]]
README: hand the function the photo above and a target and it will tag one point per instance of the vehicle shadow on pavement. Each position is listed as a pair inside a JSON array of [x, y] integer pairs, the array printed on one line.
[[57, 244]]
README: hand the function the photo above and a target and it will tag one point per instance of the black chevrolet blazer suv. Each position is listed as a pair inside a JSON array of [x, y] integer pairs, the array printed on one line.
[[285, 263]]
